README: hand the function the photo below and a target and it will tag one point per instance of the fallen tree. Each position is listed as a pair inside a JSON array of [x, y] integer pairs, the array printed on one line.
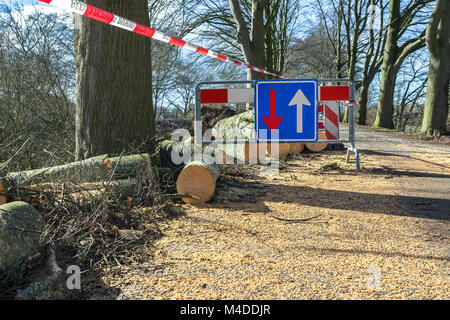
[[93, 169]]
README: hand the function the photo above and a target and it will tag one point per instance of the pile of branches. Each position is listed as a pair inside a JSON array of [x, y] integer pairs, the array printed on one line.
[[95, 224]]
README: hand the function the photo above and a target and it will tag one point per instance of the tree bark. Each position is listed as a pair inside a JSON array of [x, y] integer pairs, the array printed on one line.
[[93, 169], [21, 227], [253, 47], [114, 83], [436, 101], [362, 101]]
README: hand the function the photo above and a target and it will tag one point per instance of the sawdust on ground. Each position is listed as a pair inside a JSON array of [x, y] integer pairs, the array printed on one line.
[[319, 230]]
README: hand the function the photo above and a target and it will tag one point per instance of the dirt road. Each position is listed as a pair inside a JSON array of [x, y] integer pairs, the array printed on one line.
[[319, 230]]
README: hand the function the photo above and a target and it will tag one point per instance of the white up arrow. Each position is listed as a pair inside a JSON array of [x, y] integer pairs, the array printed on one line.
[[299, 100]]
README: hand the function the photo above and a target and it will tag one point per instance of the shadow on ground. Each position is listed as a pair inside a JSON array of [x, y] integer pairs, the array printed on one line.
[[418, 207]]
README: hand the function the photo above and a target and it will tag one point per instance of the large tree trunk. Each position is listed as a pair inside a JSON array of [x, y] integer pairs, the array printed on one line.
[[436, 102], [388, 72], [114, 82]]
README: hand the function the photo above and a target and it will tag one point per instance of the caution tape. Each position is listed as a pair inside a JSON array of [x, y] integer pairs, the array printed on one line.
[[92, 12]]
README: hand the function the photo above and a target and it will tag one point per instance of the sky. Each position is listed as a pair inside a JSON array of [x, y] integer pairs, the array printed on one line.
[[28, 5]]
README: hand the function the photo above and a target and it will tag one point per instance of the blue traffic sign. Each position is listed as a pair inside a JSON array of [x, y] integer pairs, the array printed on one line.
[[286, 110]]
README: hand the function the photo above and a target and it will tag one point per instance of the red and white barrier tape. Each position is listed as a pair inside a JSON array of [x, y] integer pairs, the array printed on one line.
[[92, 12]]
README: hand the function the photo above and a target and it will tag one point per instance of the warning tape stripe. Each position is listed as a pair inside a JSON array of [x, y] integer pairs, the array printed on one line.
[[95, 13]]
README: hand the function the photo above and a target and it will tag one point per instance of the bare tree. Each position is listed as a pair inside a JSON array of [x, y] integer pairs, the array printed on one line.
[[373, 59], [394, 54], [36, 88], [438, 44]]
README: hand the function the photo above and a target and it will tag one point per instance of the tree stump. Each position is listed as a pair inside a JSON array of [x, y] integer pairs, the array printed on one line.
[[21, 227]]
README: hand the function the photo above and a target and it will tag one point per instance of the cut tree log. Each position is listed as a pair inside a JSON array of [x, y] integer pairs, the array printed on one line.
[[198, 180], [283, 149], [93, 169], [21, 227], [167, 147], [318, 146], [296, 148]]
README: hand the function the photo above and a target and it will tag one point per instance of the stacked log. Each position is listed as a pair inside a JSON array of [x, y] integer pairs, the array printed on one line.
[[296, 148], [283, 149], [318, 146], [242, 126]]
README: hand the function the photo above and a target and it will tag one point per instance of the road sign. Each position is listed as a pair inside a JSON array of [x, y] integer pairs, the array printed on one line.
[[286, 110]]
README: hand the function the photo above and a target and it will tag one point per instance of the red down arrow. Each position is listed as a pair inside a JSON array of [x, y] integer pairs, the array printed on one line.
[[273, 122]]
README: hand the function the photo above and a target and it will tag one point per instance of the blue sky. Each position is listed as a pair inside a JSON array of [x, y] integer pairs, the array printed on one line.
[[12, 3]]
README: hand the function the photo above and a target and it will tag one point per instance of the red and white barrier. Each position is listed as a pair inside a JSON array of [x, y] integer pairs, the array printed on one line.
[[232, 95], [328, 110], [330, 121], [92, 12], [246, 95]]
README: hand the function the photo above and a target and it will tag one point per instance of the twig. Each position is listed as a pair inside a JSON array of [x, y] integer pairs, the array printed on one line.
[[15, 154], [296, 220]]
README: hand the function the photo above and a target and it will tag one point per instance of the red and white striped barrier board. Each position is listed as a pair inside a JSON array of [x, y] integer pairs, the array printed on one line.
[[331, 110], [92, 12], [232, 95], [246, 95]]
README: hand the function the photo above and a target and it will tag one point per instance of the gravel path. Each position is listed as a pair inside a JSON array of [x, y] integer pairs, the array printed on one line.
[[317, 231]]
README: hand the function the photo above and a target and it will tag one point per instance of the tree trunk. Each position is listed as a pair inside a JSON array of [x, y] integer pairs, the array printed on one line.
[[386, 97], [93, 169], [394, 56], [252, 42], [114, 82], [21, 227], [362, 101], [436, 102], [388, 72]]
